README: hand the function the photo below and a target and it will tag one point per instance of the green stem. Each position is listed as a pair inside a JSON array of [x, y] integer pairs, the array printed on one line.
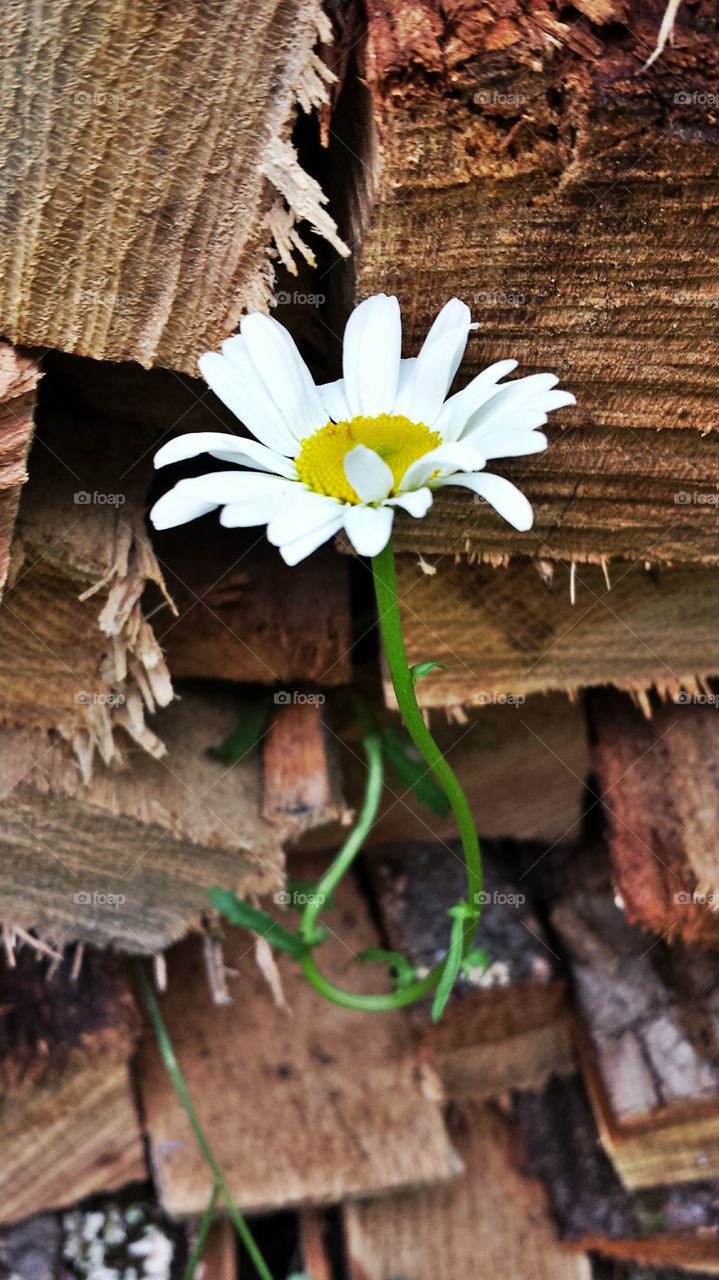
[[178, 1080], [203, 1232], [385, 581]]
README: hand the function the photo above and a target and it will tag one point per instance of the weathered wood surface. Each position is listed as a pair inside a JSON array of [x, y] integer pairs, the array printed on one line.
[[664, 1226], [543, 742], [302, 790], [68, 1124], [126, 860], [491, 1222], [303, 1107], [150, 173], [506, 633], [245, 616], [659, 785], [518, 156], [19, 375], [650, 1016]]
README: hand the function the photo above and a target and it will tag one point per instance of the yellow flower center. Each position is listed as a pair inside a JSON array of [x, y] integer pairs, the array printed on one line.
[[397, 440]]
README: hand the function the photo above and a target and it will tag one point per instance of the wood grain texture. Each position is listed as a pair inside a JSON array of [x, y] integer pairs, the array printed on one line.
[[151, 178], [507, 633], [518, 156], [243, 615], [301, 1108], [19, 375], [301, 780], [126, 860], [660, 788], [68, 1124], [491, 1222], [543, 742]]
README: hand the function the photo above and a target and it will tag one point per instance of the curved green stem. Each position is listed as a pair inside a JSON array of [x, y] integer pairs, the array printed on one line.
[[173, 1069], [385, 581]]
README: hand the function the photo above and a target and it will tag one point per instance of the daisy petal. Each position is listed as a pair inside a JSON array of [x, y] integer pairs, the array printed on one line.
[[371, 354], [174, 508], [300, 516], [504, 496], [219, 487], [239, 388], [334, 399], [513, 444], [417, 502], [245, 453], [368, 474], [284, 374], [252, 511], [460, 407], [368, 528], [441, 461], [299, 548], [437, 363]]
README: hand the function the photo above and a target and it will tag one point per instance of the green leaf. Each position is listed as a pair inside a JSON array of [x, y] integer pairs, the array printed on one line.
[[453, 963], [403, 971], [257, 921], [425, 669], [402, 756], [254, 715]]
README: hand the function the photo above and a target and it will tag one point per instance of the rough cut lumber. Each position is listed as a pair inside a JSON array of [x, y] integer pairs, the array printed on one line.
[[303, 1108], [491, 1222], [301, 783], [665, 1226], [79, 656], [650, 1019], [68, 1123], [517, 155], [243, 615], [659, 786], [19, 375], [150, 174], [543, 743], [510, 1028], [506, 633], [126, 860]]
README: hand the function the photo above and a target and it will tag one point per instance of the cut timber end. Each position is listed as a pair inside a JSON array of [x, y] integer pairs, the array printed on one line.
[[504, 635], [193, 192], [127, 860], [300, 1110], [662, 795], [521, 159], [243, 615], [491, 1222], [301, 777], [68, 1125]]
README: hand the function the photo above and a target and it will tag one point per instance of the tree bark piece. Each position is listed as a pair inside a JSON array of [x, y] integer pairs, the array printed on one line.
[[151, 172], [313, 1107], [69, 1127], [491, 1222], [516, 155], [650, 1014], [506, 633], [658, 780], [665, 1226], [127, 859], [19, 375]]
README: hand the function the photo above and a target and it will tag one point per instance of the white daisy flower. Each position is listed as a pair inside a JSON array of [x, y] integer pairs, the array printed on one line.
[[347, 454]]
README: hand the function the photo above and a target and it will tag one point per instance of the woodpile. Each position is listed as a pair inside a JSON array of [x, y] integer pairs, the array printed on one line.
[[178, 709]]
